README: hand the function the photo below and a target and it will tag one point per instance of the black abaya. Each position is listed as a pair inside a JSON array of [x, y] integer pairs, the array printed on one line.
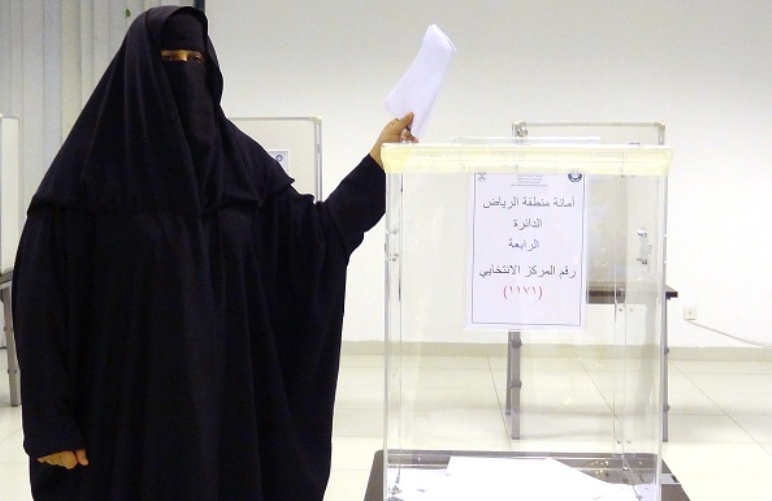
[[180, 320]]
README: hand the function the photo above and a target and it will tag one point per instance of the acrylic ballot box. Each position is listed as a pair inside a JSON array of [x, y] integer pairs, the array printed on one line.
[[562, 244]]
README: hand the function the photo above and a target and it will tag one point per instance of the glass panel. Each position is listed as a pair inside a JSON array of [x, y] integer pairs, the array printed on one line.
[[466, 406]]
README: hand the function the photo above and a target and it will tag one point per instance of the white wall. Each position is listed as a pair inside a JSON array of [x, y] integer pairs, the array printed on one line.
[[701, 66]]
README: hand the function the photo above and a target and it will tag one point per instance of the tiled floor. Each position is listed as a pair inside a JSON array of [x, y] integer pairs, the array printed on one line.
[[720, 437]]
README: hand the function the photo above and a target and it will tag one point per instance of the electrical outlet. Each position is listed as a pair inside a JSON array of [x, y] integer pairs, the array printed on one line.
[[690, 313]]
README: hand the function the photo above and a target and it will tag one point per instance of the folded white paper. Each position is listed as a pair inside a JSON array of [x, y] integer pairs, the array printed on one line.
[[535, 479], [508, 479], [419, 86]]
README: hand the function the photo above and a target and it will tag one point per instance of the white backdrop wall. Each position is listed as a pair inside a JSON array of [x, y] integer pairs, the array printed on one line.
[[701, 66]]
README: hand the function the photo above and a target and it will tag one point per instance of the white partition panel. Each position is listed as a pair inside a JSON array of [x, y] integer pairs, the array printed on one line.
[[10, 209], [295, 142]]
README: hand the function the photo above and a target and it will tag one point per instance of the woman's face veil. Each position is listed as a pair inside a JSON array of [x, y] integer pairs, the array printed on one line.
[[153, 136], [184, 35]]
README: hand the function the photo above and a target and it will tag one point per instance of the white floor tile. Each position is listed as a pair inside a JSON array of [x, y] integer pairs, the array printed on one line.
[[722, 367], [10, 418], [358, 423], [725, 488], [361, 377], [455, 429], [357, 397], [435, 377], [447, 362], [742, 402], [707, 429], [562, 427], [544, 364], [719, 459], [758, 426], [14, 482], [599, 364], [434, 398], [574, 380], [354, 453], [711, 383], [563, 400], [573, 446], [720, 432], [367, 361], [347, 485], [693, 403], [12, 449], [677, 382]]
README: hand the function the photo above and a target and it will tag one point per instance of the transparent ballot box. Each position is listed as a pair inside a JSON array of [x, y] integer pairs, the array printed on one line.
[[524, 305]]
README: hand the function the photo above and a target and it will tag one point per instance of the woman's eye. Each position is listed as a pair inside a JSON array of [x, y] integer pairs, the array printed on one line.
[[182, 56], [170, 55]]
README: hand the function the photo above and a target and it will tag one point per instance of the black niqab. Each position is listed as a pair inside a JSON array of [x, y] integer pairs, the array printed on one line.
[[128, 149], [178, 312], [189, 84]]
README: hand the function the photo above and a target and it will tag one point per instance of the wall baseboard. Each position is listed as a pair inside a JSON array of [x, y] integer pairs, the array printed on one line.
[[726, 354], [722, 354]]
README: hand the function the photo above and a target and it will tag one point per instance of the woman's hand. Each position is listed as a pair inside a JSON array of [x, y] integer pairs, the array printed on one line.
[[66, 459], [395, 131]]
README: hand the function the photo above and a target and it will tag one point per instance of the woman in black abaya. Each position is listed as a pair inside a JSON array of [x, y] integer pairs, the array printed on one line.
[[178, 305]]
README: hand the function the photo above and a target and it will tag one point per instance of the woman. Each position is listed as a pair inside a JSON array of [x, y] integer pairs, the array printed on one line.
[[178, 305]]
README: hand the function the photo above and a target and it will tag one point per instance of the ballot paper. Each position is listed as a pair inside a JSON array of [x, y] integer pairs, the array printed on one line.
[[495, 479], [537, 479], [419, 86]]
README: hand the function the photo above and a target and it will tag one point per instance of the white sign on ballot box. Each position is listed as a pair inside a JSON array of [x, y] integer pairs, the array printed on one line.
[[528, 251]]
